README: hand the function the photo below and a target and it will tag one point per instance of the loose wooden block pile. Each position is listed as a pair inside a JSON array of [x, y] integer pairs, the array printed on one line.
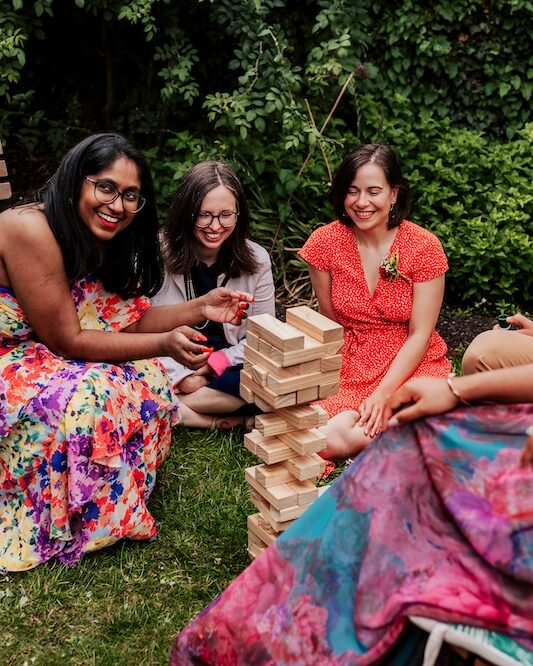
[[287, 365]]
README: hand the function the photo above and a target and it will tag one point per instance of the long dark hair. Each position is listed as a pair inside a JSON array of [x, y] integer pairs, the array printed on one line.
[[132, 263], [383, 156], [180, 256]]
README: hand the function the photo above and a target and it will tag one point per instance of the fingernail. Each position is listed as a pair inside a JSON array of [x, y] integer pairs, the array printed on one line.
[[201, 337], [208, 350]]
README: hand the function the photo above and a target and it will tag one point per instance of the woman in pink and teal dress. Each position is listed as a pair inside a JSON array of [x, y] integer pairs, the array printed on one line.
[[433, 519], [85, 411]]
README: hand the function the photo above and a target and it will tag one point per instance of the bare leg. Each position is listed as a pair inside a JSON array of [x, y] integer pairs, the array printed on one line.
[[201, 409], [345, 438]]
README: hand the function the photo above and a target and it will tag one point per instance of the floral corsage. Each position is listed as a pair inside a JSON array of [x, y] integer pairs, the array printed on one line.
[[389, 267]]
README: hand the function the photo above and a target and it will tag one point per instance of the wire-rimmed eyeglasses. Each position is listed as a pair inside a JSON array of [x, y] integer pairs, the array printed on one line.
[[226, 219], [106, 192]]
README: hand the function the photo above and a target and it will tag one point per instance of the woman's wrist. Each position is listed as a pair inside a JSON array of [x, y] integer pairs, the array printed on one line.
[[454, 389]]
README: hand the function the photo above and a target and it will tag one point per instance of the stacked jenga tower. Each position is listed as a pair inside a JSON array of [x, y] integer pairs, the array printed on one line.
[[286, 366]]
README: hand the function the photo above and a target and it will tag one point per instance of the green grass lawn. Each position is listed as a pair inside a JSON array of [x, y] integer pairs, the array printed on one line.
[[124, 604]]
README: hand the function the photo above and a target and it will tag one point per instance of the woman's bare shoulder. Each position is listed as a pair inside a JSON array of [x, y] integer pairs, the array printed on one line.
[[24, 223]]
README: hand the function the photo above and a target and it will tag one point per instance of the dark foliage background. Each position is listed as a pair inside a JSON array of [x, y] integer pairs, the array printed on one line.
[[282, 90]]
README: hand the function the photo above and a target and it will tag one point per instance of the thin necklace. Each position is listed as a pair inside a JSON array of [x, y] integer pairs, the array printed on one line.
[[190, 294]]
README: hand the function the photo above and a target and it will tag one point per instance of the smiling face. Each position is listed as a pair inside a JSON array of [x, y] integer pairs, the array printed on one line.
[[209, 239], [369, 198], [107, 220]]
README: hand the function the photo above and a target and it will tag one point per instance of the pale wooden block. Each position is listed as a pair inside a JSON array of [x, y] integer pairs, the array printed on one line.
[[283, 336], [311, 351], [328, 389], [246, 394], [263, 360], [304, 442], [254, 551], [279, 497], [1, 149], [273, 450], [273, 399], [262, 404], [261, 528], [272, 475], [300, 382], [252, 340], [3, 169], [304, 416], [322, 490], [259, 375], [314, 324], [306, 491], [247, 366], [307, 395], [306, 468], [329, 363], [266, 513], [271, 424], [5, 191]]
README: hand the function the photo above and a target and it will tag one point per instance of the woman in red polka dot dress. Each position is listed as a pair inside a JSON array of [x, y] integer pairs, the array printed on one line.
[[382, 278]]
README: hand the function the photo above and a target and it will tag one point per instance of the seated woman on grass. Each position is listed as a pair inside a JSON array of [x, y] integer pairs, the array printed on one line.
[[382, 278], [85, 420], [206, 243], [434, 519]]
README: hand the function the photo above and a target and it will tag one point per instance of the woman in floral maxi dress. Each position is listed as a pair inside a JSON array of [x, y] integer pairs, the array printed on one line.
[[85, 419]]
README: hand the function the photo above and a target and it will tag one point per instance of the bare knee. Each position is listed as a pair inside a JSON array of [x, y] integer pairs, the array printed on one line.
[[344, 438]]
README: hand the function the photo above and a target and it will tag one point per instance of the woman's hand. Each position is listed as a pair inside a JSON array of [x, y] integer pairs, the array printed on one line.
[[226, 305], [423, 396], [182, 345], [192, 383], [525, 325], [372, 412]]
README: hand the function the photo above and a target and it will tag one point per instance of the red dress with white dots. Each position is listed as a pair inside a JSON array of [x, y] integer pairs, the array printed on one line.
[[375, 326]]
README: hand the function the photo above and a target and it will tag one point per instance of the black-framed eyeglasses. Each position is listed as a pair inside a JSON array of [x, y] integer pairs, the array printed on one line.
[[226, 219], [106, 192]]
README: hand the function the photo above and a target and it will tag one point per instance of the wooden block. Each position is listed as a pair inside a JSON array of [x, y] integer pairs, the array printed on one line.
[[261, 528], [283, 336], [270, 397], [305, 468], [304, 416], [322, 490], [328, 389], [279, 497], [246, 394], [271, 450], [1, 149], [272, 475], [5, 191], [271, 424], [3, 169], [300, 382], [311, 351], [306, 491], [267, 513], [257, 358], [307, 395], [313, 323], [254, 551], [262, 404], [259, 375], [252, 340], [304, 442], [329, 363]]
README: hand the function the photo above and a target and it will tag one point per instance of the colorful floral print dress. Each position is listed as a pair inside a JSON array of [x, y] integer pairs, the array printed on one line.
[[375, 325], [433, 519], [79, 442]]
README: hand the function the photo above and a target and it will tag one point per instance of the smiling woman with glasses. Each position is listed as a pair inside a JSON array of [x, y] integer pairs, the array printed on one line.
[[107, 193], [206, 244], [86, 412]]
